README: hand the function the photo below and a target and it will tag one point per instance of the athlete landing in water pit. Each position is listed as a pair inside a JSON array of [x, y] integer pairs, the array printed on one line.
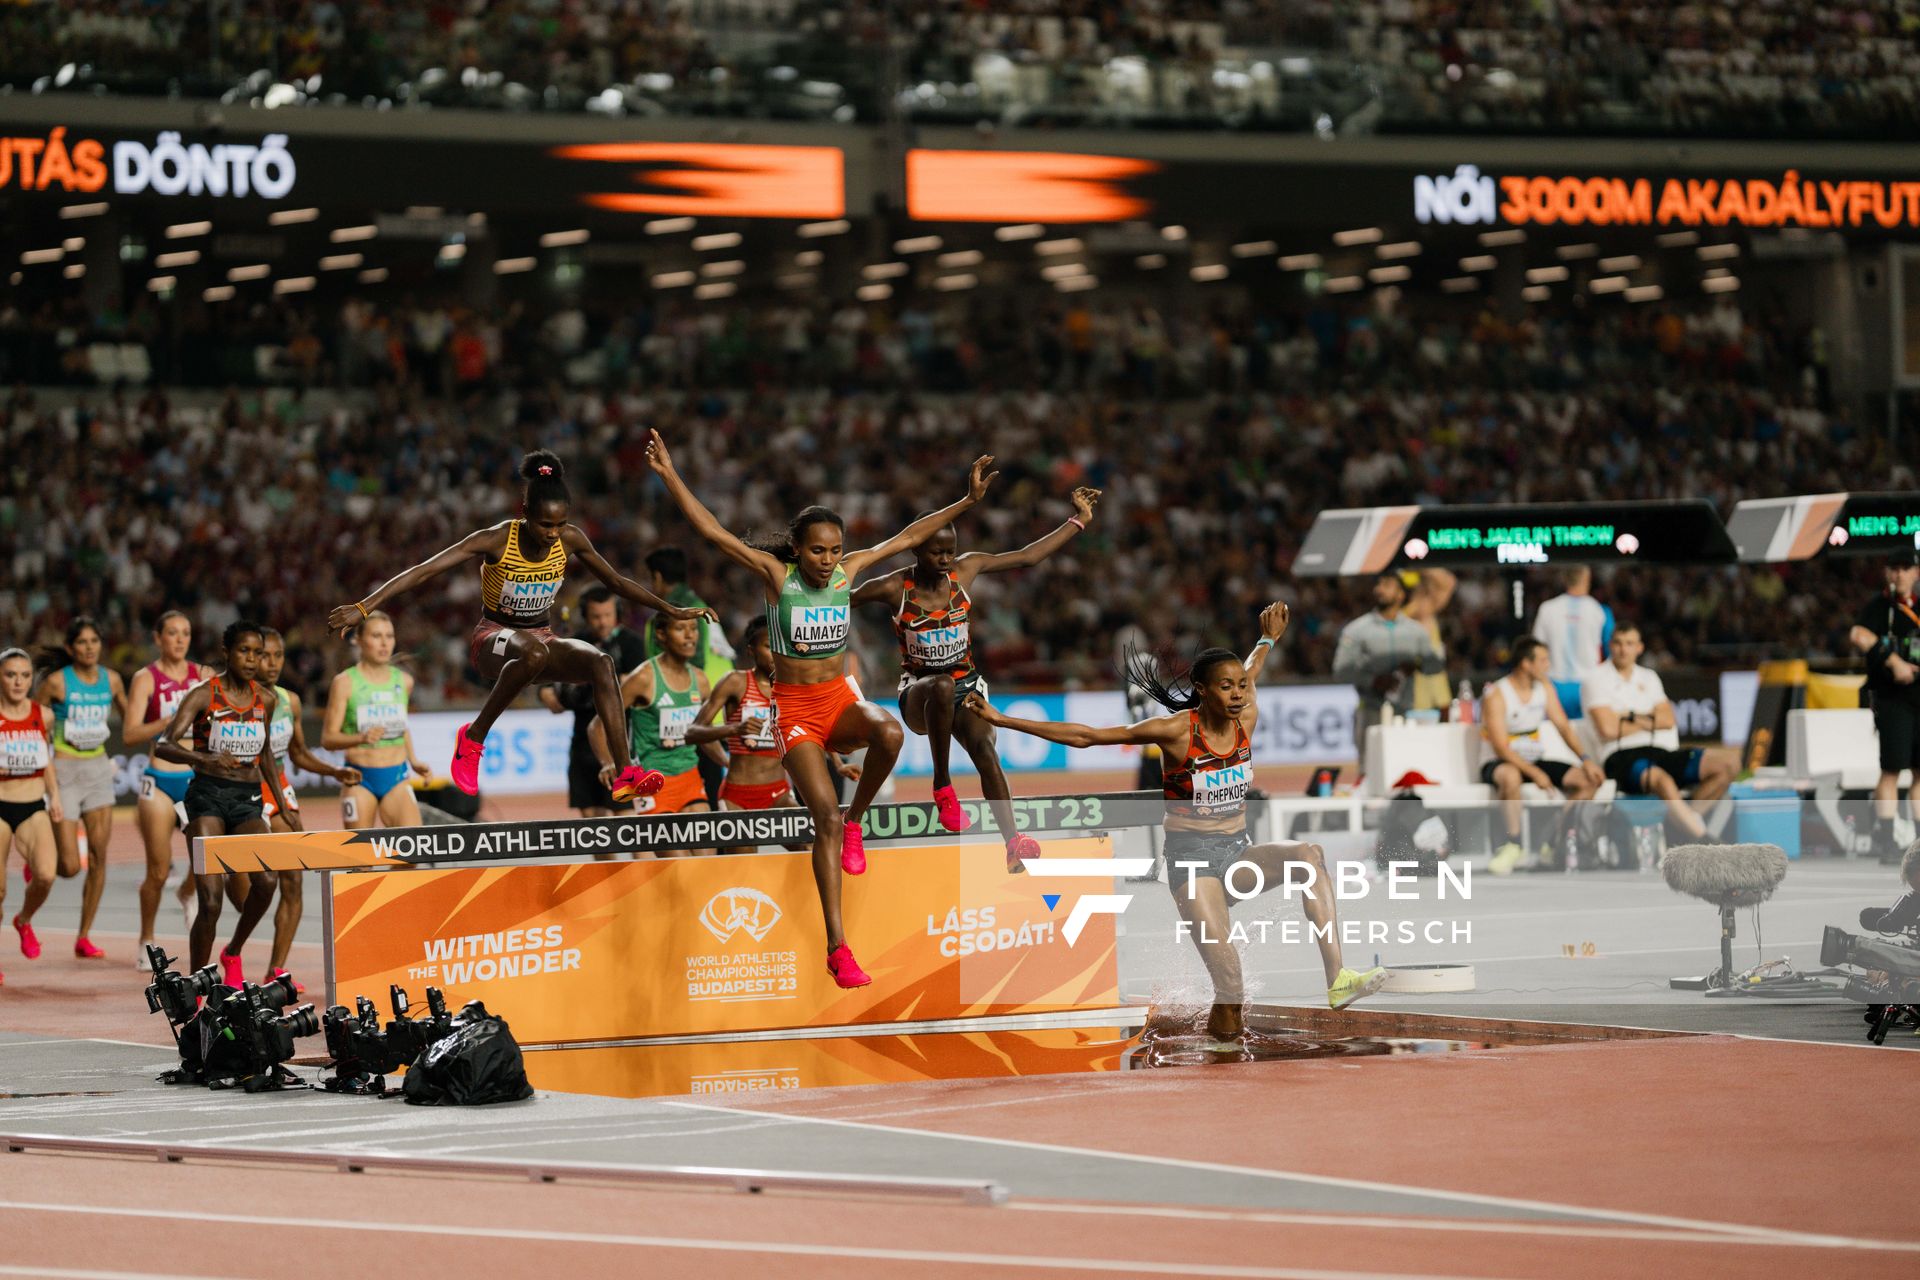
[[1207, 747]]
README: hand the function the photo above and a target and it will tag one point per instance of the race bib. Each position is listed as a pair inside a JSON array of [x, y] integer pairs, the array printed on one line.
[[241, 739], [280, 740], [22, 754], [674, 723], [937, 646], [528, 599], [1224, 788], [390, 718], [767, 738], [819, 627], [86, 726]]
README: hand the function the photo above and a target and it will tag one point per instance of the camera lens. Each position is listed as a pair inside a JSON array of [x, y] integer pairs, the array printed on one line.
[[302, 1021]]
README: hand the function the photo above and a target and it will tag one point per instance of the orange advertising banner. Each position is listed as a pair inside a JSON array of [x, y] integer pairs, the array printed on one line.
[[581, 952], [720, 179], [1023, 186], [734, 1068]]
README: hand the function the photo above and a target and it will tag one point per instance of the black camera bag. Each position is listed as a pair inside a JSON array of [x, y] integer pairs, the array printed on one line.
[[478, 1063]]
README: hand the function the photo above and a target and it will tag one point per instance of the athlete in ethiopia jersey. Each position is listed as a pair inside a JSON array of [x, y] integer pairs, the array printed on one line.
[[804, 579]]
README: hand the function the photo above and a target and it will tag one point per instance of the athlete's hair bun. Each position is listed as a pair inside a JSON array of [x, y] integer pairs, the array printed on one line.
[[542, 464]]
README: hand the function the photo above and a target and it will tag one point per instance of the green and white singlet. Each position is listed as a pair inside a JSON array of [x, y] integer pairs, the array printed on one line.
[[657, 732], [810, 622]]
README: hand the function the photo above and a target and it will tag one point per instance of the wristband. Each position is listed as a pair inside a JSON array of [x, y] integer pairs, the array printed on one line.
[[1264, 642], [1076, 523], [363, 610]]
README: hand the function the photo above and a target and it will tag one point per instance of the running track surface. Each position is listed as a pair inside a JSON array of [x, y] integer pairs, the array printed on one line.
[[1700, 1156]]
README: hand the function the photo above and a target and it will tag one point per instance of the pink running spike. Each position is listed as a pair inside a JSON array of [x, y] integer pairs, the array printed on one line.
[[635, 781], [853, 849], [952, 816], [466, 761], [846, 971]]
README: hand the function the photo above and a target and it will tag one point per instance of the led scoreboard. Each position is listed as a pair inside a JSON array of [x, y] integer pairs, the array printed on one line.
[[1826, 524], [1367, 540]]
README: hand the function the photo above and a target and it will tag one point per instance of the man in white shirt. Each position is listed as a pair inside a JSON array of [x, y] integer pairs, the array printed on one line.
[[1639, 744], [1529, 739], [1577, 629]]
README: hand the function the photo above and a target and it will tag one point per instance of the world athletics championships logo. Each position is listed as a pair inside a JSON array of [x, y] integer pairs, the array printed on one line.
[[740, 910]]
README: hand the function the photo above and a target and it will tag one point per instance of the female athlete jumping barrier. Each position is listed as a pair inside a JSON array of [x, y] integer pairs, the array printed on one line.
[[81, 697], [221, 732], [931, 616], [152, 698], [755, 779], [744, 701], [287, 744], [367, 719], [29, 790], [522, 564], [662, 696], [1207, 749], [808, 584]]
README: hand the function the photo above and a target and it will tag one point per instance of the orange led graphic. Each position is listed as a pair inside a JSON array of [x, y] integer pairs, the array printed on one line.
[[721, 180], [1023, 186]]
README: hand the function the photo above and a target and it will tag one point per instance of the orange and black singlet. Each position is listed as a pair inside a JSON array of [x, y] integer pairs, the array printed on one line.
[[228, 728], [1202, 784], [935, 641]]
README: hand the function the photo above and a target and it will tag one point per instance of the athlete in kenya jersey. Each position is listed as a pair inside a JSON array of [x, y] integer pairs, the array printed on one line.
[[933, 616], [522, 563], [806, 579], [221, 731], [1207, 745]]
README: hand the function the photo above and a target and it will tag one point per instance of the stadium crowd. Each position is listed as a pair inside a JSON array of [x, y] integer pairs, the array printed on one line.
[[1503, 65], [1216, 435]]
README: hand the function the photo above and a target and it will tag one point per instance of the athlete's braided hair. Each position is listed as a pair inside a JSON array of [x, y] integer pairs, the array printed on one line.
[[786, 549], [1178, 690], [546, 479]]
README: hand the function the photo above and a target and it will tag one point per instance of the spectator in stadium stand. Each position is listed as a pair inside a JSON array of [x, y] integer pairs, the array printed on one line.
[[714, 657], [1379, 650], [1639, 738], [1431, 596], [1887, 631], [1516, 713], [1577, 629], [600, 614]]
